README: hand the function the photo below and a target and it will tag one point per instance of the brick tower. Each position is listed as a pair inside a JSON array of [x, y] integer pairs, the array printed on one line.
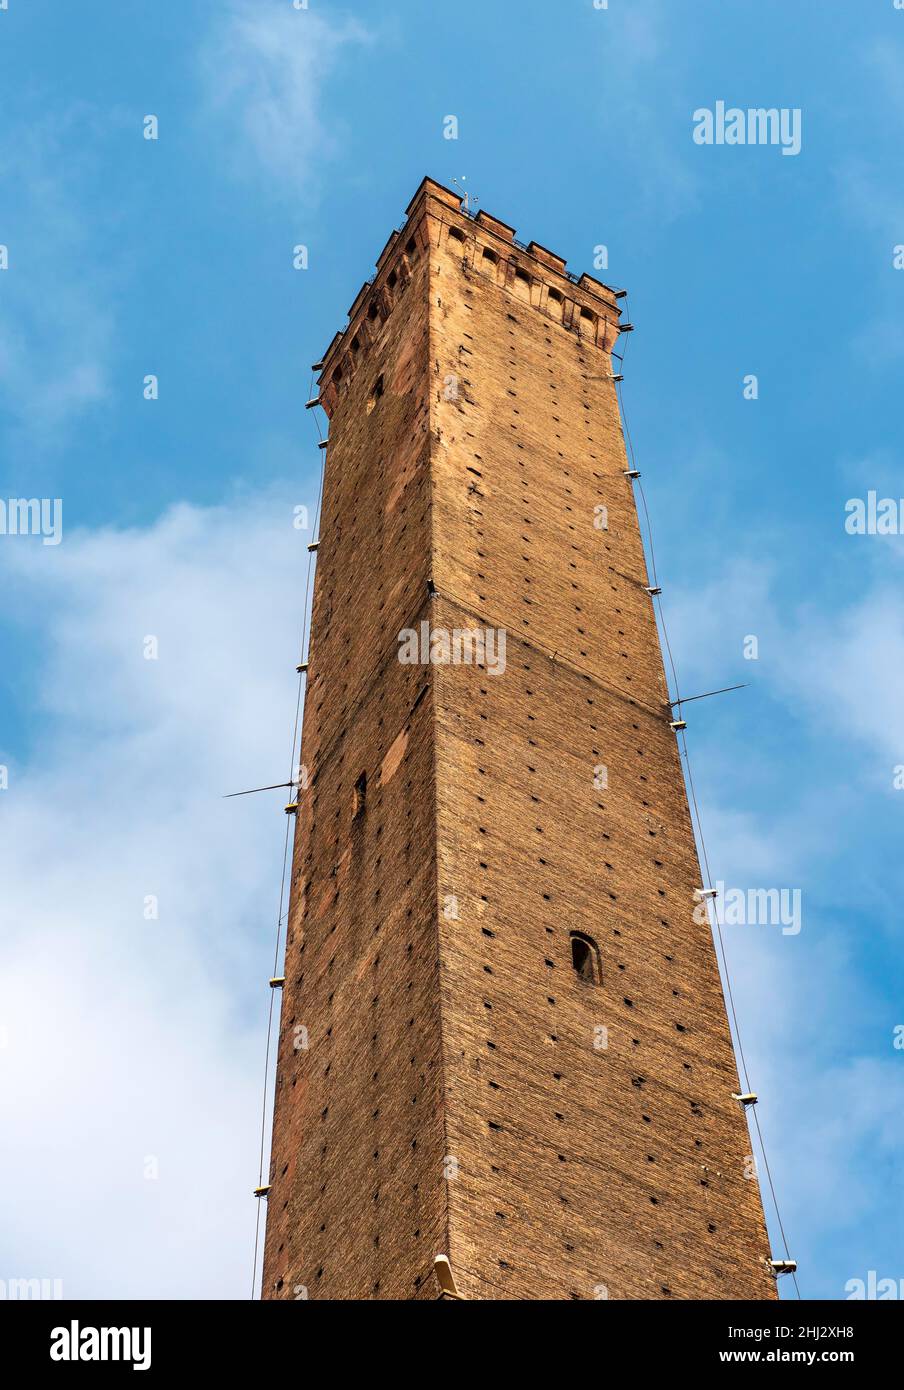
[[503, 1035]]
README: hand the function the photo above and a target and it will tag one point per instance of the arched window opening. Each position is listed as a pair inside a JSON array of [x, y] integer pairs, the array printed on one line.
[[585, 957], [521, 283]]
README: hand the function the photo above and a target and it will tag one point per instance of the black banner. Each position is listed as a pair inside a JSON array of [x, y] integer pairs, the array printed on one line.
[[65, 1338]]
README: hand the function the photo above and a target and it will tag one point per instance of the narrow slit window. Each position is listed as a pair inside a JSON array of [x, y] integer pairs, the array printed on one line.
[[360, 798], [585, 958]]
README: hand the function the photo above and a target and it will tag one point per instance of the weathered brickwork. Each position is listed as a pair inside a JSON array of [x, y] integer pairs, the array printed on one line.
[[463, 1089]]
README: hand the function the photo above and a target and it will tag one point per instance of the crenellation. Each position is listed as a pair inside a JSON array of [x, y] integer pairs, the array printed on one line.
[[550, 288]]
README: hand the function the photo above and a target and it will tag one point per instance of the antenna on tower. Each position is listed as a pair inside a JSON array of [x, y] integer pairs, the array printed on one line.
[[467, 199], [271, 788]]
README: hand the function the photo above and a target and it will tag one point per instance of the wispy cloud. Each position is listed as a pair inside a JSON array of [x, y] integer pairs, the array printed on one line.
[[266, 67], [869, 192], [816, 1018], [840, 668], [642, 55], [850, 666], [56, 326]]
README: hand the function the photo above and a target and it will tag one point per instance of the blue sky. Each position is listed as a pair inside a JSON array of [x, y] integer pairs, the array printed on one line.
[[129, 1042]]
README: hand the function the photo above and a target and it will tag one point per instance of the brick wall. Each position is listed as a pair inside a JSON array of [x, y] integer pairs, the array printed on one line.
[[358, 1207], [465, 1091]]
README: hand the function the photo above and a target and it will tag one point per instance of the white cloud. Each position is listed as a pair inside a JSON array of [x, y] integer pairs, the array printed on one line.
[[850, 667], [128, 1039], [266, 66], [708, 627], [843, 666]]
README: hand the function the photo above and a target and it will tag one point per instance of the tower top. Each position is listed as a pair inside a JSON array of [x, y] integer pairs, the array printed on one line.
[[433, 200]]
